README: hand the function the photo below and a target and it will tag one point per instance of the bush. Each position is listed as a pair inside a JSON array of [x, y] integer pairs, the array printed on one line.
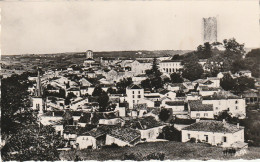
[[132, 156], [113, 145], [140, 157], [155, 156], [192, 140]]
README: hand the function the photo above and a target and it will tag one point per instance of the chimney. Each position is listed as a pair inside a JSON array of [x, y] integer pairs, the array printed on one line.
[[197, 120], [122, 123], [224, 121], [53, 113], [91, 116], [237, 125]]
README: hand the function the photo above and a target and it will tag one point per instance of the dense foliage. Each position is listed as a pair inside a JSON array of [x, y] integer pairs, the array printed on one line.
[[154, 80], [22, 136]]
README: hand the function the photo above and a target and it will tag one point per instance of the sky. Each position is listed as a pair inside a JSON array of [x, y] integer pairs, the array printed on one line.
[[76, 26]]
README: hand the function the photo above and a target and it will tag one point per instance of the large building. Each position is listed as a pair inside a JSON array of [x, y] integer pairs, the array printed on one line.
[[210, 29], [170, 66], [134, 94], [215, 133]]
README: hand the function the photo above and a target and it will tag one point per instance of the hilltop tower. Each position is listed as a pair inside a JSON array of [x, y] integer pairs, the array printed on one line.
[[210, 29], [38, 103], [89, 54]]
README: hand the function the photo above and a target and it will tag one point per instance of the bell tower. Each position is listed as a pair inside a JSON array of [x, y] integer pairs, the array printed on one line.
[[89, 54], [38, 103]]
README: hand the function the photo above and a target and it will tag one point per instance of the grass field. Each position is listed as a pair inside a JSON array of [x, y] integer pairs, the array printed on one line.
[[172, 150]]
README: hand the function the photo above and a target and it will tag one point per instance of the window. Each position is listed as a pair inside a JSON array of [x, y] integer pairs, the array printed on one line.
[[216, 108], [236, 107], [206, 138], [188, 136], [139, 92], [133, 96], [205, 114], [224, 139], [133, 101], [236, 102], [133, 92], [38, 106], [198, 114], [139, 96]]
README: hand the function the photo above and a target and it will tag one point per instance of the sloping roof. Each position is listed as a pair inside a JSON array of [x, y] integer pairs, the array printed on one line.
[[97, 132], [175, 103], [221, 95], [72, 129], [96, 116], [125, 134], [171, 61], [134, 86], [196, 105], [54, 113], [143, 123], [206, 88], [250, 94], [73, 89], [213, 126]]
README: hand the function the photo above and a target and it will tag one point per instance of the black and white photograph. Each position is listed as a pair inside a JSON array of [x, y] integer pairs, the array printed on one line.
[[130, 80]]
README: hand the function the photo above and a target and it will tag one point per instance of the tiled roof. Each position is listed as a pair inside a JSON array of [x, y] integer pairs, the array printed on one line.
[[73, 89], [143, 123], [196, 105], [213, 126], [96, 116], [250, 94], [125, 134], [171, 61], [154, 96], [87, 128], [206, 88], [56, 113], [97, 132], [174, 103], [221, 95], [72, 129]]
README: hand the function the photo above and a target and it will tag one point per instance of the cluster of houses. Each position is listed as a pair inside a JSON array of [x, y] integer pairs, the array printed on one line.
[[135, 118]]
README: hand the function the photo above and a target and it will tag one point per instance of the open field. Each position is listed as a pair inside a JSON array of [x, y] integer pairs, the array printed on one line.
[[172, 150]]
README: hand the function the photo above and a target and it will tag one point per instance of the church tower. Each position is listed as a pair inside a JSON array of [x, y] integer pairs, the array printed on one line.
[[89, 54], [38, 103]]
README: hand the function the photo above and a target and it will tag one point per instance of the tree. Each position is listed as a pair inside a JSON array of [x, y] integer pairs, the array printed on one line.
[[164, 115], [227, 82], [121, 86], [103, 101], [97, 91], [170, 133], [23, 137], [33, 142], [69, 97], [192, 70], [233, 48], [204, 51], [110, 90], [146, 84], [226, 115], [176, 78], [238, 65], [243, 84], [15, 104], [154, 77], [254, 53]]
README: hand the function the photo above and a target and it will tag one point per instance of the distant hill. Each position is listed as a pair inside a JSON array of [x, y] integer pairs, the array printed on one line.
[[136, 54]]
